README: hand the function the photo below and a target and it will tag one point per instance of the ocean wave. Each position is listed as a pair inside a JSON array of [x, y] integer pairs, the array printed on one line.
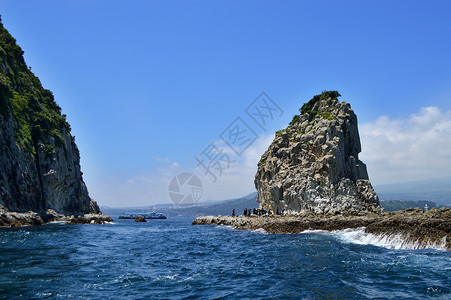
[[167, 277], [58, 222], [225, 226], [386, 240], [308, 231]]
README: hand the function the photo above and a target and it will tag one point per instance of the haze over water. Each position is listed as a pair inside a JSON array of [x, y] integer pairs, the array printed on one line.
[[172, 259]]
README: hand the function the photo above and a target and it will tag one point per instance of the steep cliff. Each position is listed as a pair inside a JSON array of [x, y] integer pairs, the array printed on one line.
[[39, 161], [313, 166]]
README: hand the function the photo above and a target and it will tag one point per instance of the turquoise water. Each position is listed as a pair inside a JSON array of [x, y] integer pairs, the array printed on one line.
[[170, 259]]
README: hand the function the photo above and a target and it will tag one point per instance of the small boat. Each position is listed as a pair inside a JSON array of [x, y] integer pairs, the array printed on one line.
[[151, 215]]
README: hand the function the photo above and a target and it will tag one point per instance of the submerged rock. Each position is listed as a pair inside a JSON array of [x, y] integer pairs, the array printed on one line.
[[313, 164]]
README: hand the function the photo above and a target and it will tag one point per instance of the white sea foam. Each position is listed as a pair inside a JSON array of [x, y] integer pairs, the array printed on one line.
[[390, 241], [259, 230], [314, 231], [57, 222], [225, 226], [168, 277]]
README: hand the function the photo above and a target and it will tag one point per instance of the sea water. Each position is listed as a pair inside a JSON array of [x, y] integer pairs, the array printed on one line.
[[170, 259]]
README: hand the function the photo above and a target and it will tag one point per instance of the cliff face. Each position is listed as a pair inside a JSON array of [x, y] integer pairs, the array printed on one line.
[[313, 165], [39, 161]]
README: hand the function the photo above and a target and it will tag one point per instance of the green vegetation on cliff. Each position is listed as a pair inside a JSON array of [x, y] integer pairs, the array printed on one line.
[[308, 108], [22, 97], [39, 161]]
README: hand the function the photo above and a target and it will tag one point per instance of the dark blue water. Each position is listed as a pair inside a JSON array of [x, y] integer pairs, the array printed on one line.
[[170, 259]]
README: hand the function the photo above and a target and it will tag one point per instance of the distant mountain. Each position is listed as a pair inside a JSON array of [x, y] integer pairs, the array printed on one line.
[[395, 196], [437, 190], [394, 205], [223, 207]]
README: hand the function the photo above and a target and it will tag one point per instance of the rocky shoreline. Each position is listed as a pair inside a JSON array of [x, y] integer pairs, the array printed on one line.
[[414, 226], [16, 219]]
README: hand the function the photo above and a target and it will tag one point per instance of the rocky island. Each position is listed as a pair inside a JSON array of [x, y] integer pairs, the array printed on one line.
[[313, 164], [40, 175], [311, 174]]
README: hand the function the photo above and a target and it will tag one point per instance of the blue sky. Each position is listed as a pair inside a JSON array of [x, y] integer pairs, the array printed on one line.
[[148, 85]]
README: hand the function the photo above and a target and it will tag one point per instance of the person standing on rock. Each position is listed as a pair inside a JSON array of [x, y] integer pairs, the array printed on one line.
[[233, 212]]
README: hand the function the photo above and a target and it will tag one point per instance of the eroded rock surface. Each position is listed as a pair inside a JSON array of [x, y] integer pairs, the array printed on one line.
[[313, 164]]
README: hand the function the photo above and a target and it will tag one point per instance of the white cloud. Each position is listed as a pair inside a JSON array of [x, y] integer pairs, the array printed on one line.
[[397, 150]]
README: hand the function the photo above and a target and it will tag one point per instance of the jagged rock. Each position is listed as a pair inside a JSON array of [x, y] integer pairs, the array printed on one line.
[[94, 207], [140, 219], [90, 219], [313, 164], [14, 219]]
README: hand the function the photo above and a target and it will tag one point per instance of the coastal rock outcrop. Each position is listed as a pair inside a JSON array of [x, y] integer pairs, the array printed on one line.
[[39, 160], [140, 219], [313, 164], [408, 229]]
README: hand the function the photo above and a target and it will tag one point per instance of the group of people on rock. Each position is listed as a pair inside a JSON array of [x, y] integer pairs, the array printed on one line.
[[259, 212]]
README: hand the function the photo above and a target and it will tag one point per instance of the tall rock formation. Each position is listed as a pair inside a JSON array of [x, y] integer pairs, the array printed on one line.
[[39, 161], [313, 164]]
